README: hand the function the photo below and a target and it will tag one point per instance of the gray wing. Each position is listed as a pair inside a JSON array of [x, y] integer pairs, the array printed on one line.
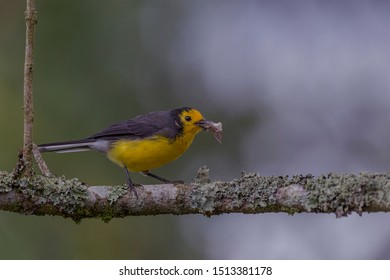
[[154, 123]]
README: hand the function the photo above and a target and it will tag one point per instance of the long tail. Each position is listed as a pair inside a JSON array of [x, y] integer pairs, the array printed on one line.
[[68, 146]]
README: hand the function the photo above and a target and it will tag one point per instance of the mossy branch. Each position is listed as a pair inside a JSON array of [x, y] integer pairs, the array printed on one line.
[[340, 194]]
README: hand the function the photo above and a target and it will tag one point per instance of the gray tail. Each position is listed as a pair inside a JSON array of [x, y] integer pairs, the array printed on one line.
[[67, 146]]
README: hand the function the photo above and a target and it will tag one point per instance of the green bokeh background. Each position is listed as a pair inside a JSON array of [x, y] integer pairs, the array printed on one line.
[[91, 69]]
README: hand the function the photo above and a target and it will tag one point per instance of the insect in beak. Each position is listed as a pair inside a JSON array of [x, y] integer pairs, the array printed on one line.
[[214, 128]]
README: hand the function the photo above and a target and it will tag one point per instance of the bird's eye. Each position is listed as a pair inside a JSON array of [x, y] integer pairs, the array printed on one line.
[[187, 118]]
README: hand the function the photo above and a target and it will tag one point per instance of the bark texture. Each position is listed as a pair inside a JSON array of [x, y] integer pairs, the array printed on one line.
[[340, 194], [31, 21]]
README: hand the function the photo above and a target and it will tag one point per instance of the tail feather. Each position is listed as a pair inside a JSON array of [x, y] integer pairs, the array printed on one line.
[[67, 146]]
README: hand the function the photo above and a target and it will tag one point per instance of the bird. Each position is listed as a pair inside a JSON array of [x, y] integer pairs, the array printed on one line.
[[144, 142]]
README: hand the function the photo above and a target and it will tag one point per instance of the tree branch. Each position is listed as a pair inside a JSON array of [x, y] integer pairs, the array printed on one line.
[[31, 21], [340, 194], [40, 161]]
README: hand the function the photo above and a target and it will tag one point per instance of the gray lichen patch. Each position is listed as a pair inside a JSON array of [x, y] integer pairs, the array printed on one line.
[[202, 176], [41, 192], [251, 193], [6, 182], [68, 195], [345, 193], [204, 192], [293, 195], [116, 193]]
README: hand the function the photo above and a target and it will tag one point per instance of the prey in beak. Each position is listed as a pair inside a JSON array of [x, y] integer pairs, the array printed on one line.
[[214, 128]]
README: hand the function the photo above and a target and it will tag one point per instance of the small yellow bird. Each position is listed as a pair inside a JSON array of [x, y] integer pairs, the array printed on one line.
[[145, 142]]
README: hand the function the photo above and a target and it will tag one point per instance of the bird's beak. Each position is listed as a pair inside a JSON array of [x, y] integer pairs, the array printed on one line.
[[214, 128]]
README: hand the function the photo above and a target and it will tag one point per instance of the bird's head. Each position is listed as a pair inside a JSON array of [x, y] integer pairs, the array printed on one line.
[[191, 122]]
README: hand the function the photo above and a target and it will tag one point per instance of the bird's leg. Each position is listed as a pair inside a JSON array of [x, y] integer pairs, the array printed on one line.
[[130, 183], [147, 173]]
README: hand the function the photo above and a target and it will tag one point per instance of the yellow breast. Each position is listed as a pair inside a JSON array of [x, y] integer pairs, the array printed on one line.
[[146, 154]]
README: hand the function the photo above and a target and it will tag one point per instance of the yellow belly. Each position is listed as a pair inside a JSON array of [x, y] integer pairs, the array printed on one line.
[[147, 154]]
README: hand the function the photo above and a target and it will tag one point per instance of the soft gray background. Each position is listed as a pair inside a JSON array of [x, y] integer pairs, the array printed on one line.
[[300, 86]]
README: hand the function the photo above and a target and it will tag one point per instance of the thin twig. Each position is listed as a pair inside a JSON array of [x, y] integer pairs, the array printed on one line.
[[31, 21], [40, 161]]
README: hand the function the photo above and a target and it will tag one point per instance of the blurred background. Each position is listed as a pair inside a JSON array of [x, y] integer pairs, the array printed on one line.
[[300, 86]]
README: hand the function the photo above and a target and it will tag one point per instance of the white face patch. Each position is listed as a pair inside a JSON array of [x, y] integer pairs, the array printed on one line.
[[177, 124]]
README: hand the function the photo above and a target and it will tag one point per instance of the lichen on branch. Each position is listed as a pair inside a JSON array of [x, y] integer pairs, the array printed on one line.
[[251, 193]]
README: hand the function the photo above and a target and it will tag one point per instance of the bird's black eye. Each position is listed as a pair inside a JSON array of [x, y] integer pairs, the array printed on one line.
[[187, 118]]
